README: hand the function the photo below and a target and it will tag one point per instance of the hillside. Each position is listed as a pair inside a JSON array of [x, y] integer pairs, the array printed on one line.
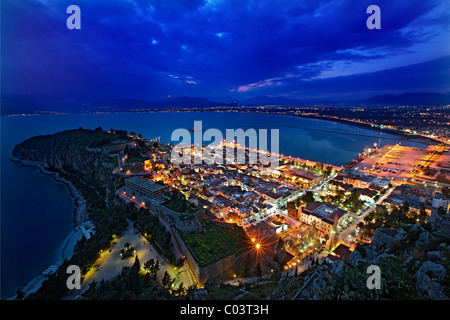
[[414, 261]]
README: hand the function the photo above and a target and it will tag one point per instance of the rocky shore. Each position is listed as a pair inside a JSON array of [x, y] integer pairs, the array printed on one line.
[[79, 213], [79, 217]]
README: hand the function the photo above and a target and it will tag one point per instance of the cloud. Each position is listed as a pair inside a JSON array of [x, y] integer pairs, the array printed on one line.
[[129, 48]]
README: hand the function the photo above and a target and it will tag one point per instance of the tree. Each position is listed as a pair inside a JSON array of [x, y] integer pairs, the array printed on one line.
[[308, 197], [353, 202], [149, 264], [380, 213], [181, 290], [291, 209], [131, 277], [422, 214], [166, 280], [319, 166], [137, 264], [152, 268], [328, 171], [155, 269]]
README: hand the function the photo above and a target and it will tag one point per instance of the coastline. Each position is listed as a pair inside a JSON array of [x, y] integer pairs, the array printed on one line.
[[419, 138], [65, 249], [422, 138]]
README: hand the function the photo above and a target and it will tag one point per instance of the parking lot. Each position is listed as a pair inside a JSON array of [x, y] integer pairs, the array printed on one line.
[[394, 163]]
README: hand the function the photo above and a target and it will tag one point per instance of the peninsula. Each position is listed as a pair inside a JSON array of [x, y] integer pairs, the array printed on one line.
[[181, 230]]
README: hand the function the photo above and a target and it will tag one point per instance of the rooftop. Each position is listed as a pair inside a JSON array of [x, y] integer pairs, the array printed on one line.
[[342, 251], [144, 183], [325, 211]]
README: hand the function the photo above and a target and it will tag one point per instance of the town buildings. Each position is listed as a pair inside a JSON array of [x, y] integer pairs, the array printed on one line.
[[322, 216], [441, 201], [144, 189]]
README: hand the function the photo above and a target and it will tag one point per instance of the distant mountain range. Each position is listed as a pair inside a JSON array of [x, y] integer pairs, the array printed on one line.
[[135, 104], [26, 104], [425, 98]]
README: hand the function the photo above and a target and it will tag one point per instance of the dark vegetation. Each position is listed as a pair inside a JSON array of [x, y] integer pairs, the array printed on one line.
[[93, 182], [156, 233], [381, 217], [109, 221], [216, 243], [136, 283], [179, 204], [130, 284]]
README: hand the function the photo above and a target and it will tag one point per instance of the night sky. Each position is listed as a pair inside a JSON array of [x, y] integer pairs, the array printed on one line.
[[222, 50]]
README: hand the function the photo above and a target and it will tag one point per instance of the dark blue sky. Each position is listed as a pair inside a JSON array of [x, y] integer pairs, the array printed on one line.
[[152, 49]]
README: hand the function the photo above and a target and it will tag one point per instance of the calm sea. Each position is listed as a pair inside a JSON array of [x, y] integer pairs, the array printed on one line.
[[36, 211]]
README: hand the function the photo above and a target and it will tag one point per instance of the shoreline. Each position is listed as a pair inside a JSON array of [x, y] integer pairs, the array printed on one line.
[[418, 138], [65, 249], [425, 139], [407, 137]]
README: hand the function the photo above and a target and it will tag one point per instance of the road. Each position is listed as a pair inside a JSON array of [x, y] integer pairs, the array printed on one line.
[[361, 217]]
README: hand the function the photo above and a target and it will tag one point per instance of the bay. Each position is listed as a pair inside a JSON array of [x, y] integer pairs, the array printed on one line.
[[36, 211]]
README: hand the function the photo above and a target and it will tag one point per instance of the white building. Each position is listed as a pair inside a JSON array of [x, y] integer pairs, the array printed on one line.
[[439, 200], [144, 189]]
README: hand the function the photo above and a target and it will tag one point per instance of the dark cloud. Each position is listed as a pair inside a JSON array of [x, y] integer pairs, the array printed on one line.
[[152, 48]]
